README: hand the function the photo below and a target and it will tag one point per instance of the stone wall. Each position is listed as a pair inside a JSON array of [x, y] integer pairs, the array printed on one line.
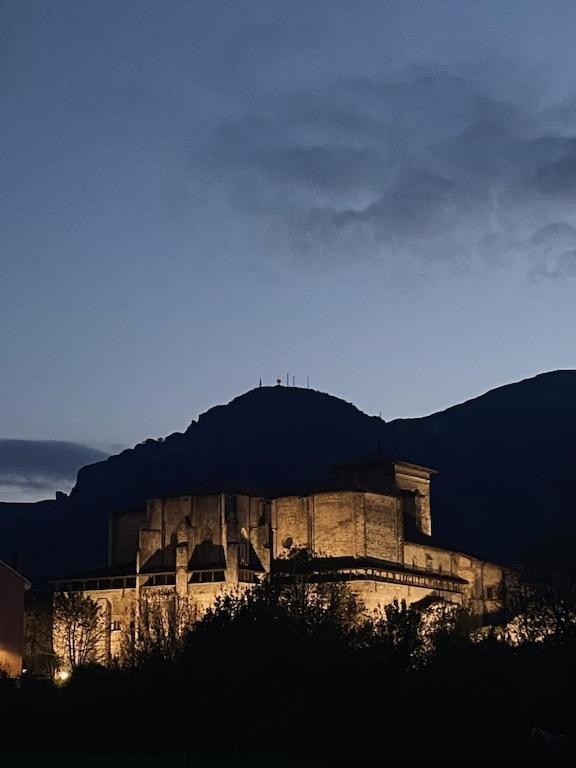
[[384, 530], [416, 479], [123, 535], [375, 595], [431, 558]]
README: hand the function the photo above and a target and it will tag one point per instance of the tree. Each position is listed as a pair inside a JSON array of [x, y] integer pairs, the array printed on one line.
[[543, 601], [159, 623], [395, 630], [79, 628]]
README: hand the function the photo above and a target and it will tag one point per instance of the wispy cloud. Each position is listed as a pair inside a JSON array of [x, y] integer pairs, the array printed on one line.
[[31, 470], [423, 165]]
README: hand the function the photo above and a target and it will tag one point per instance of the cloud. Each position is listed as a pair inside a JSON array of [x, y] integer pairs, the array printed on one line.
[[31, 470], [424, 165]]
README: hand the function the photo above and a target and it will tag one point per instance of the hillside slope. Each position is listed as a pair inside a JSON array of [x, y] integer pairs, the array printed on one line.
[[506, 462]]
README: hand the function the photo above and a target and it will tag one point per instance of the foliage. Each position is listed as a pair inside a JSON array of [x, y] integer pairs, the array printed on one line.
[[299, 667], [79, 628], [157, 627], [543, 600], [393, 634]]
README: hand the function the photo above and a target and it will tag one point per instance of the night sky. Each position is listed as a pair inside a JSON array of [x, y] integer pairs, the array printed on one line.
[[379, 196]]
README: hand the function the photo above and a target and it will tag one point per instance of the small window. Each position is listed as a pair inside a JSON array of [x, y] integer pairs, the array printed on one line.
[[429, 562], [243, 548], [117, 583], [92, 584], [131, 581], [115, 626], [491, 593], [287, 542]]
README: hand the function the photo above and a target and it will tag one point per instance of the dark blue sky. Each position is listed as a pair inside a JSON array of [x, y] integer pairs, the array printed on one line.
[[377, 195]]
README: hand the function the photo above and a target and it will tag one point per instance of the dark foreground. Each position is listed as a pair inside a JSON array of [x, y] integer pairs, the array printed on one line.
[[318, 700], [290, 676]]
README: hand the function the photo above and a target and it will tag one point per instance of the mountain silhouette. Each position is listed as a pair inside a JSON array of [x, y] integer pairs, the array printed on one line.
[[506, 464], [34, 467]]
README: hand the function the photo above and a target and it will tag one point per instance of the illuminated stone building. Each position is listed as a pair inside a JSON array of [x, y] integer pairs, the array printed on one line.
[[370, 526]]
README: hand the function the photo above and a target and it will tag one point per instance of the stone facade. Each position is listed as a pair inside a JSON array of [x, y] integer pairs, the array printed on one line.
[[370, 526]]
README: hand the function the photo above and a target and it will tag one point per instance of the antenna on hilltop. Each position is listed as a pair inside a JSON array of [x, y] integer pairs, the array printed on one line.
[[293, 381], [307, 382], [287, 379], [260, 381]]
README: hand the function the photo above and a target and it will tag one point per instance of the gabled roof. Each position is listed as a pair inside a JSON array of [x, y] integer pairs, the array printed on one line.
[[16, 573]]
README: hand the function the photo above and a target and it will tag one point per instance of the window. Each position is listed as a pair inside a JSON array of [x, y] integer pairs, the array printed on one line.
[[243, 547], [247, 576], [161, 580], [205, 577], [429, 562], [491, 593], [115, 626]]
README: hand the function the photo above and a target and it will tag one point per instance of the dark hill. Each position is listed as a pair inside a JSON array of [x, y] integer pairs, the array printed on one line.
[[506, 460]]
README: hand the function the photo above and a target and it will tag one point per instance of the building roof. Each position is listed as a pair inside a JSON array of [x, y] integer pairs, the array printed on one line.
[[377, 459], [330, 485], [108, 571], [414, 536], [326, 564], [16, 573], [291, 488]]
